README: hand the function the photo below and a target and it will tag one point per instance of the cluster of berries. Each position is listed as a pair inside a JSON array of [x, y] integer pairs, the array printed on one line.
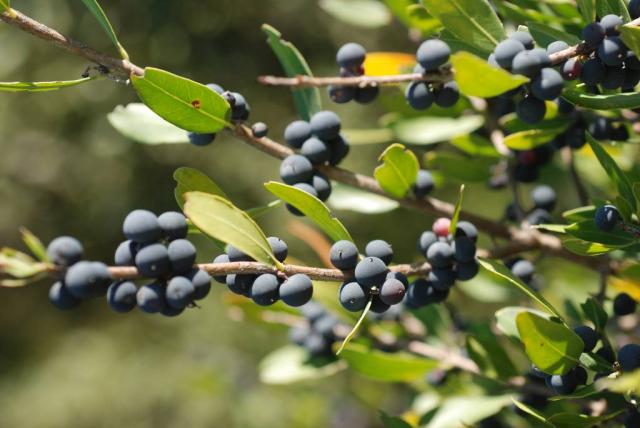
[[80, 280], [318, 333], [432, 55], [158, 248], [600, 127], [240, 111], [267, 288], [544, 201], [350, 59], [372, 279], [519, 55], [319, 143], [452, 258], [612, 65]]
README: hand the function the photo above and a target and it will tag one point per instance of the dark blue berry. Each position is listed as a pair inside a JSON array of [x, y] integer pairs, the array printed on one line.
[[85, 279], [344, 255], [297, 290], [371, 272], [432, 54], [65, 251], [588, 335], [182, 255], [353, 296], [152, 261], [151, 298], [121, 296], [173, 225], [296, 133], [61, 298], [325, 125], [179, 292], [623, 304], [296, 169], [607, 217], [201, 140], [380, 249], [141, 226]]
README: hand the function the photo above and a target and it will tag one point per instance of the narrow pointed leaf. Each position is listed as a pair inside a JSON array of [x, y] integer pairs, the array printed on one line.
[[41, 86], [192, 180], [307, 100], [34, 244], [99, 14], [456, 212], [356, 327]]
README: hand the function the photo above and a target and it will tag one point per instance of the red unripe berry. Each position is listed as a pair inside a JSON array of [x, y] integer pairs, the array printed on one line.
[[528, 157], [441, 226]]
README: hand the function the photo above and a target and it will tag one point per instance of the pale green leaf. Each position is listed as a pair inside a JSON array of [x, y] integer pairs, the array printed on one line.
[[495, 81], [192, 180], [352, 199], [41, 86], [99, 14], [292, 364], [360, 13], [430, 130], [139, 123], [220, 219]]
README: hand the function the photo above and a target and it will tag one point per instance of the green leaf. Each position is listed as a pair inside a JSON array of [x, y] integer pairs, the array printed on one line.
[[511, 123], [587, 231], [183, 102], [307, 100], [630, 34], [99, 14], [4, 5], [312, 208], [618, 178], [581, 213], [292, 364], [582, 392], [495, 81], [459, 168], [34, 244], [361, 13], [471, 20], [430, 130], [545, 35], [595, 313], [467, 411], [139, 123], [506, 319], [627, 100], [398, 171], [498, 269], [258, 212], [628, 383], [551, 346], [356, 327], [527, 140], [192, 180], [221, 220], [18, 265], [476, 145], [585, 248], [456, 212], [393, 422], [386, 366], [595, 362], [533, 413], [489, 354], [572, 420], [352, 199], [615, 7], [41, 86], [587, 10]]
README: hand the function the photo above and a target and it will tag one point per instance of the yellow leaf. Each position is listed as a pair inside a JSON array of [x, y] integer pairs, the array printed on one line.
[[388, 63], [627, 285]]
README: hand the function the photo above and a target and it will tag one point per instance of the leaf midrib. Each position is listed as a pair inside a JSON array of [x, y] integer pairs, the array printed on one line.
[[475, 23], [534, 332]]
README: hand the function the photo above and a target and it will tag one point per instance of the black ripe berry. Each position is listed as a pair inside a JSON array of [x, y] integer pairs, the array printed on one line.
[[173, 225], [371, 272], [623, 304], [607, 217], [353, 297], [544, 197], [612, 51], [86, 280], [629, 357], [341, 94], [201, 140], [259, 129], [141, 226], [61, 298], [296, 133], [527, 63], [222, 258], [524, 38], [264, 290], [344, 255], [295, 169], [592, 72], [325, 125], [179, 292], [201, 281], [593, 34], [279, 248], [307, 188], [548, 85], [588, 335], [182, 256], [424, 184], [322, 185], [610, 24], [121, 296], [419, 95], [506, 51], [316, 150], [380, 249], [152, 261], [440, 255], [432, 54], [151, 298], [447, 95], [297, 290], [351, 56], [531, 110], [65, 251]]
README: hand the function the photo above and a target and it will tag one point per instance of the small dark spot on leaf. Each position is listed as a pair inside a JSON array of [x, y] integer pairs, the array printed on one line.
[[195, 104]]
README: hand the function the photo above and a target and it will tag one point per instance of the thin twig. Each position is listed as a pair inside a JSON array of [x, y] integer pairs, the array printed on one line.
[[31, 26]]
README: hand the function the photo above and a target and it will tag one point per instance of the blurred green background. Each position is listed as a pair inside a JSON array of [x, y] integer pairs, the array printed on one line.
[[64, 170]]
